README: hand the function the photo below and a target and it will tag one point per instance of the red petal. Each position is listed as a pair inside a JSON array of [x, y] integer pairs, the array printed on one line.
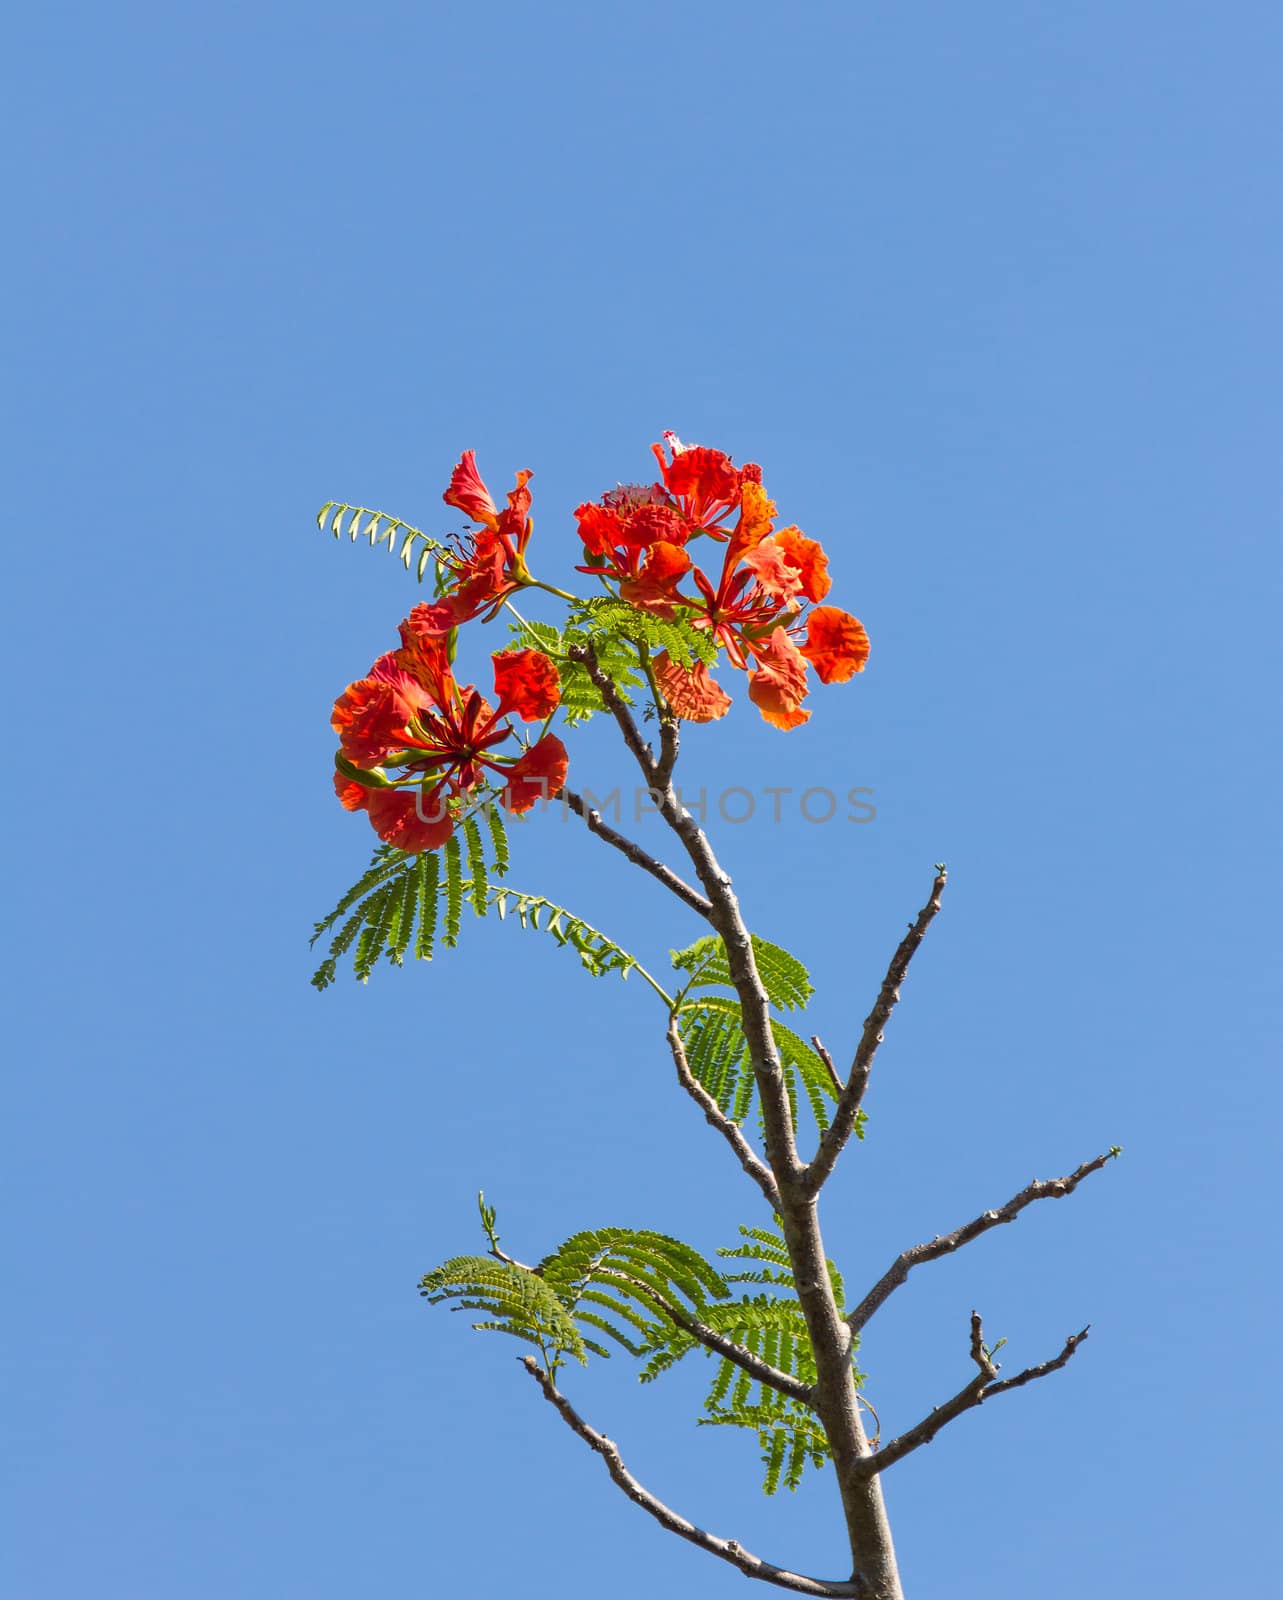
[[836, 644], [411, 819], [692, 693], [469, 493], [773, 570], [515, 521], [779, 686], [426, 657], [702, 474], [600, 528], [354, 796], [370, 719], [808, 556], [526, 682], [539, 775], [655, 589]]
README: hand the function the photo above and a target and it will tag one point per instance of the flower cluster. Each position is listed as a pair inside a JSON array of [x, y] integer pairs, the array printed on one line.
[[408, 714], [757, 607], [415, 746]]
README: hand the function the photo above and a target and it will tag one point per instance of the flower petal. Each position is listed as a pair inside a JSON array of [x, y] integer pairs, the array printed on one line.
[[754, 525], [354, 796], [539, 775], [469, 493], [655, 588], [808, 556], [772, 569], [411, 819], [526, 682], [426, 657], [370, 719], [692, 693], [836, 644], [514, 522], [779, 685]]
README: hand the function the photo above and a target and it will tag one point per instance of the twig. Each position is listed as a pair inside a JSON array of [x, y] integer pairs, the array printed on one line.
[[834, 1076], [980, 1389], [848, 1106], [1043, 1367], [748, 1158], [728, 1549], [943, 1245], [635, 853]]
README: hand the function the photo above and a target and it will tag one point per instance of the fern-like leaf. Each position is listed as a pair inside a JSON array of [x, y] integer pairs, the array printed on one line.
[[785, 979], [418, 551], [402, 901], [515, 1300], [712, 1030], [772, 1326], [606, 618]]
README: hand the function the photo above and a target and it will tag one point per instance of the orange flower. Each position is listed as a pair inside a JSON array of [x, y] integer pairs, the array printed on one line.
[[411, 715], [539, 775], [779, 685], [756, 610], [836, 644], [488, 564], [632, 537], [690, 691], [703, 482]]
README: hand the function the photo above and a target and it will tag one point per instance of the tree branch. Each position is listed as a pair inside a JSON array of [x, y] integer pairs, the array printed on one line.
[[848, 1106], [748, 1158], [635, 853], [586, 656], [763, 1371], [727, 1549], [834, 1076], [872, 1549], [946, 1244], [981, 1387], [1043, 1367]]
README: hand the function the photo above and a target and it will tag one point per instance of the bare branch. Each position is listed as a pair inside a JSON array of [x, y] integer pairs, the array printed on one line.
[[946, 1244], [748, 1158], [586, 656], [834, 1076], [980, 1389], [1043, 1367], [848, 1106], [727, 1549], [669, 737], [635, 853]]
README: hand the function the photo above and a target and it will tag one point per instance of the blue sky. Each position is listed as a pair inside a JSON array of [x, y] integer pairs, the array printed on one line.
[[991, 292]]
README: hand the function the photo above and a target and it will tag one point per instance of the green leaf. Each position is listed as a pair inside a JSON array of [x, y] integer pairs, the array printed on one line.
[[417, 549], [785, 979]]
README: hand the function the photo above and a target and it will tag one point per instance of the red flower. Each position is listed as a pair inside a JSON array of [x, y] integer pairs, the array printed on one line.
[[755, 611], [410, 713], [703, 482], [635, 539], [489, 564]]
